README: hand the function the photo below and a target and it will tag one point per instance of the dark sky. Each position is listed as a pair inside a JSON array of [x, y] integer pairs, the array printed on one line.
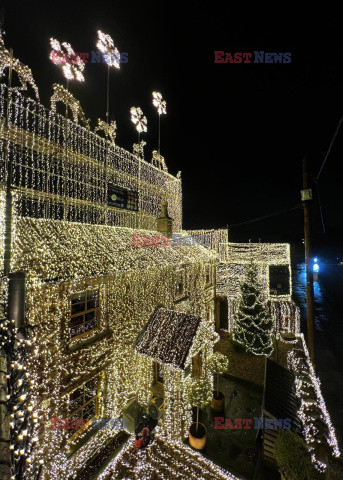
[[237, 132]]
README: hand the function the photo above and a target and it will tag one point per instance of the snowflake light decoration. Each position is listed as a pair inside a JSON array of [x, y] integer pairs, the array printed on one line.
[[138, 119], [159, 103], [64, 55], [106, 46]]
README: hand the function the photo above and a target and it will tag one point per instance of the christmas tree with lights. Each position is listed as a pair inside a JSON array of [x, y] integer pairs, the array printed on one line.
[[252, 331]]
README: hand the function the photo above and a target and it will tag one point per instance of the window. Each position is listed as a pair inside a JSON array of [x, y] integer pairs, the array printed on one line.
[[197, 365], [279, 280], [83, 405], [85, 313], [121, 198], [158, 373]]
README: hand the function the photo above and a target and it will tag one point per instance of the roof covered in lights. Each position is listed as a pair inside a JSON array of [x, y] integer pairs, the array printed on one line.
[[53, 250], [168, 336]]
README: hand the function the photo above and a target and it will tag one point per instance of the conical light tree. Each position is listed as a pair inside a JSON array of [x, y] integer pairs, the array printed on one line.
[[253, 323]]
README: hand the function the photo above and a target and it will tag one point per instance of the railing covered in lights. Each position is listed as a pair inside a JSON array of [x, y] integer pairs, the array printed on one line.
[[63, 170]]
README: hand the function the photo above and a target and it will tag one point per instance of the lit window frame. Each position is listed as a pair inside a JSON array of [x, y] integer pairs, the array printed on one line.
[[71, 415], [84, 312]]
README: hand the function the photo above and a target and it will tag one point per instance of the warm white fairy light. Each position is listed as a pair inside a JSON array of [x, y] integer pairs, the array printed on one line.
[[38, 143], [63, 95], [132, 277], [158, 161], [110, 129], [106, 45], [231, 270], [24, 73], [170, 460], [62, 258], [159, 103], [71, 63], [138, 119], [305, 378]]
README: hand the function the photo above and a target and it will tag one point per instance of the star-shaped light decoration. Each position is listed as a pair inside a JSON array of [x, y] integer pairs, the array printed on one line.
[[64, 55], [138, 119], [106, 46], [159, 103]]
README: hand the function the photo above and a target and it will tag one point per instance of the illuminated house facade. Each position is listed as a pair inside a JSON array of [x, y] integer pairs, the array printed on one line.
[[76, 203], [112, 324], [275, 276], [89, 316]]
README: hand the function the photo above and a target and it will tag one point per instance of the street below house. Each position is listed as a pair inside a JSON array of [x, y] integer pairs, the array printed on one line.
[[328, 294]]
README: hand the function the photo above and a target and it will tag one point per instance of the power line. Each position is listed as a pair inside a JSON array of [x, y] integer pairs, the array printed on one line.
[[322, 166], [266, 216], [330, 146]]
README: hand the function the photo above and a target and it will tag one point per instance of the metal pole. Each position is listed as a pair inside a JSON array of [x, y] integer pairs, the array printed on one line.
[[159, 133], [309, 273], [108, 95], [107, 137]]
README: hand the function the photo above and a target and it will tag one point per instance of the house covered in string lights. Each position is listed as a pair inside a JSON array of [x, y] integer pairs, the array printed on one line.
[[108, 323]]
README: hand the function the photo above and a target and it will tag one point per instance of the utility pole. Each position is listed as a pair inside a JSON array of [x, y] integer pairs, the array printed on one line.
[[306, 197]]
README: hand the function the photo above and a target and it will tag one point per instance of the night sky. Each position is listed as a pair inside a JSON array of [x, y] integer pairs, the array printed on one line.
[[238, 132]]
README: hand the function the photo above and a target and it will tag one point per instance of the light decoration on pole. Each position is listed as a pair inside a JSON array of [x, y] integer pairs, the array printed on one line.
[[139, 120], [71, 63], [106, 45], [159, 103], [112, 57], [161, 107]]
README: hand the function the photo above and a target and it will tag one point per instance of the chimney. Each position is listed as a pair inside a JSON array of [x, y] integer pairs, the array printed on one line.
[[164, 222]]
